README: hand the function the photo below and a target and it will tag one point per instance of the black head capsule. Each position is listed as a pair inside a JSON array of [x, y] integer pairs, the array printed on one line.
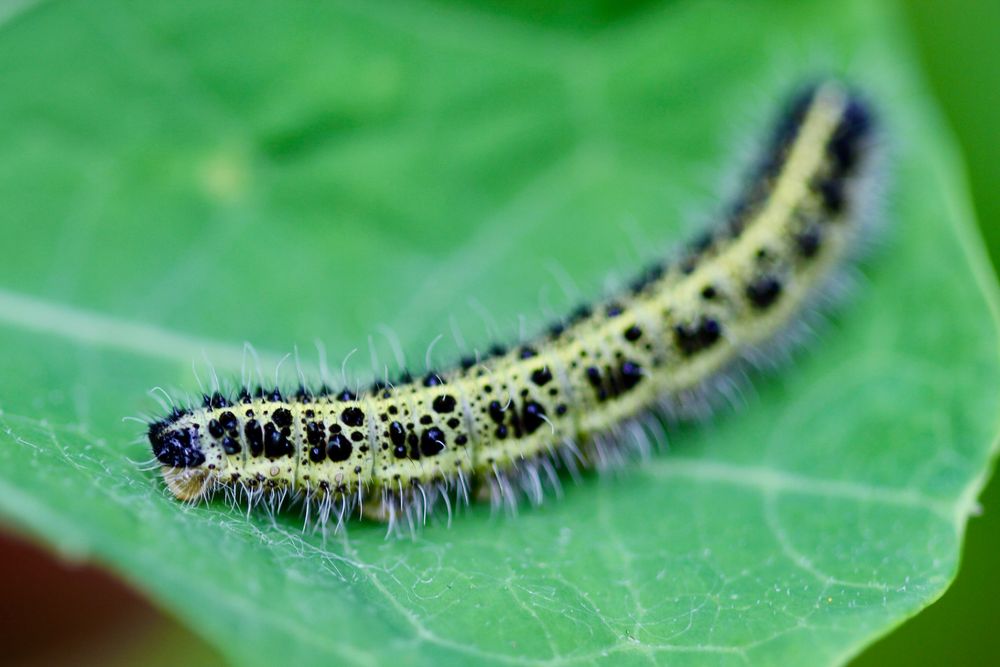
[[176, 446]]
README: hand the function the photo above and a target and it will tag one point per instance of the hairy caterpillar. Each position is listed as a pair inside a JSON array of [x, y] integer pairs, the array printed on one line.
[[502, 424]]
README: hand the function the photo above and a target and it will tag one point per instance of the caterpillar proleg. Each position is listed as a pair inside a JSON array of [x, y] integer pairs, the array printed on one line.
[[506, 425]]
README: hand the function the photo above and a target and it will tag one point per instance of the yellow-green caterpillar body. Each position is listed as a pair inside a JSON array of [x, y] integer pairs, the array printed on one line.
[[504, 424]]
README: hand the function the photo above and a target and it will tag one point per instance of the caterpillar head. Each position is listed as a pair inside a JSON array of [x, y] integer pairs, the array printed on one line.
[[177, 446]]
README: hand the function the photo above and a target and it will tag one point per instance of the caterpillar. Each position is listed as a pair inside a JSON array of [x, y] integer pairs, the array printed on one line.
[[500, 425]]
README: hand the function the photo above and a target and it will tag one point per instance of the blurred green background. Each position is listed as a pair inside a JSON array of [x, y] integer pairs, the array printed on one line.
[[958, 45]]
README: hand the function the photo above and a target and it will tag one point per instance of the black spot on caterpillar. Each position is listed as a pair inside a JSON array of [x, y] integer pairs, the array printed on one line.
[[502, 424]]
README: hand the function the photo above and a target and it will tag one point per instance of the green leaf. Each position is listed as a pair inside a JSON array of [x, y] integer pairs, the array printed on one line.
[[177, 178]]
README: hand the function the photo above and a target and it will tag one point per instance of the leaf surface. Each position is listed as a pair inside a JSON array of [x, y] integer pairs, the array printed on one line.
[[179, 178]]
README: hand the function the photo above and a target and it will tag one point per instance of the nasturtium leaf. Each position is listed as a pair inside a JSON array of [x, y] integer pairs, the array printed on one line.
[[178, 178]]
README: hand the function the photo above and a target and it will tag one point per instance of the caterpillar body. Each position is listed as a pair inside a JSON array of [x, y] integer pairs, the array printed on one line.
[[501, 425]]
